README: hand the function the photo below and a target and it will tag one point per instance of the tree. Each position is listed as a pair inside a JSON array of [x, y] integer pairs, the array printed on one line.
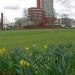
[[18, 23], [25, 16], [22, 21]]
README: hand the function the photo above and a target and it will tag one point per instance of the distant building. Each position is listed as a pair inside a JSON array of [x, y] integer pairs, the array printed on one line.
[[66, 21], [36, 15], [47, 6], [73, 23], [43, 13]]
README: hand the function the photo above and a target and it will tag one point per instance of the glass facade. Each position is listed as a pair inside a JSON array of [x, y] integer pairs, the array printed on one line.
[[47, 6]]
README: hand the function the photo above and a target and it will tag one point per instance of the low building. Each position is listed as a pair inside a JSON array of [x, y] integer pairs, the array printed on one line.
[[73, 23]]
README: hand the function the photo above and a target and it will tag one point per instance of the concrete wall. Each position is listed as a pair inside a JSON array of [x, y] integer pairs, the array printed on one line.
[[47, 5]]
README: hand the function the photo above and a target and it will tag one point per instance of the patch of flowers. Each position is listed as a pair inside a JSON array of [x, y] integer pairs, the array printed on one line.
[[24, 62], [2, 50], [51, 60]]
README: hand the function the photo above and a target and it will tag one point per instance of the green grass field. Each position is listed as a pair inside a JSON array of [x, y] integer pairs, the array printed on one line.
[[55, 59], [26, 38]]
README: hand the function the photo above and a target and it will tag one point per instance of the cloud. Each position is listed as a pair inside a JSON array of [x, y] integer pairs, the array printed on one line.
[[12, 7]]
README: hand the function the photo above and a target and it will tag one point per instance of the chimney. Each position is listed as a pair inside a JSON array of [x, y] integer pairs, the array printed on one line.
[[38, 3], [2, 21]]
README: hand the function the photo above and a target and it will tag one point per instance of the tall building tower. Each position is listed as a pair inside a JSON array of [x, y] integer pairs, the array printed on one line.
[[47, 6], [38, 3]]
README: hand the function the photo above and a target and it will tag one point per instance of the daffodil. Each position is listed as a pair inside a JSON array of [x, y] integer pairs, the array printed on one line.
[[24, 63], [27, 48], [45, 46], [2, 50]]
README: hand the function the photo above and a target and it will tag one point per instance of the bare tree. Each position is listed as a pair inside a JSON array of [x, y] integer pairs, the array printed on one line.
[[25, 16]]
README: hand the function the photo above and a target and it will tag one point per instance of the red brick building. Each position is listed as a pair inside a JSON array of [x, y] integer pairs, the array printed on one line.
[[36, 15]]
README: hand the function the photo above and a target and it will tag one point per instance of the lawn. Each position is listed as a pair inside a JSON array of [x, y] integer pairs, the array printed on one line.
[[31, 53], [26, 38]]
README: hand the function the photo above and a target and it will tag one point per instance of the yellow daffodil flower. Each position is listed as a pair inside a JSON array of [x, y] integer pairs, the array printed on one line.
[[45, 46], [27, 48], [24, 63], [2, 50]]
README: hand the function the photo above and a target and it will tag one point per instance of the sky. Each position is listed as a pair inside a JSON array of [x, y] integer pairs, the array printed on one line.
[[65, 7], [14, 8]]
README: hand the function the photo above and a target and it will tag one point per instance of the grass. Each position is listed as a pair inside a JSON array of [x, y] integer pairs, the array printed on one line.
[[62, 57], [23, 38]]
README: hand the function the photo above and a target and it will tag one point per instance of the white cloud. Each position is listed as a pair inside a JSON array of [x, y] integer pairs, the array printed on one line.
[[14, 8], [67, 8]]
